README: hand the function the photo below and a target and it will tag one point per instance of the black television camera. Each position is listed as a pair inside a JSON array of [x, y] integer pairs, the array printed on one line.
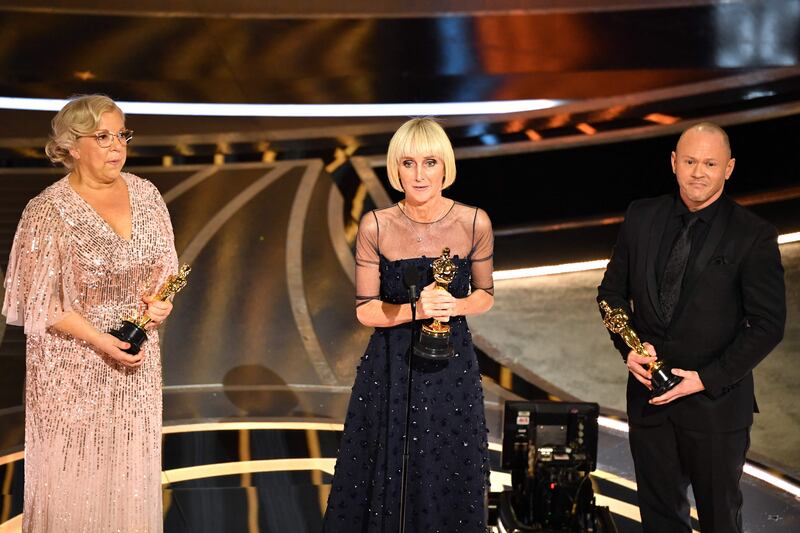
[[550, 448]]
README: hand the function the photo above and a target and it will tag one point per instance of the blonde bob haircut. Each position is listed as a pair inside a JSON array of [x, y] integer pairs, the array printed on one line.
[[80, 116], [420, 137]]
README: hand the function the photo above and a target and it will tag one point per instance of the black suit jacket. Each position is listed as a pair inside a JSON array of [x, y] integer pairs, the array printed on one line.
[[730, 315]]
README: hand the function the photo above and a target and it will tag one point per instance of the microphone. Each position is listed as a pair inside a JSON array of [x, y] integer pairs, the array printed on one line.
[[411, 280]]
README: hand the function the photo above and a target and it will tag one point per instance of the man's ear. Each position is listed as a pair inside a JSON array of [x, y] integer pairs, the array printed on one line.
[[729, 168]]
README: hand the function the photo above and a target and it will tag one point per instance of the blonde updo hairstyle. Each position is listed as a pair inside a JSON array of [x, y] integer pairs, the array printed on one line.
[[420, 137], [79, 117]]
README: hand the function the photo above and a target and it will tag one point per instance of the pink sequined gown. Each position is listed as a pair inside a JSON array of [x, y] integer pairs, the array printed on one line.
[[92, 426]]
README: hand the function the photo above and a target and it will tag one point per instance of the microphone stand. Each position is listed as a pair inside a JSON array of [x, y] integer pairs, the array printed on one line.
[[412, 292]]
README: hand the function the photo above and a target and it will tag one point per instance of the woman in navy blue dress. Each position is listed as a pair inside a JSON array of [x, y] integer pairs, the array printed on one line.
[[448, 476]]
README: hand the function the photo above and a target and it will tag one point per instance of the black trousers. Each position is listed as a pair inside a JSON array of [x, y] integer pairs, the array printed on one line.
[[667, 458]]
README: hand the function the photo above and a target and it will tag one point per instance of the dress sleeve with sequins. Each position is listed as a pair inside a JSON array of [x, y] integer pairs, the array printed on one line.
[[171, 261], [38, 287]]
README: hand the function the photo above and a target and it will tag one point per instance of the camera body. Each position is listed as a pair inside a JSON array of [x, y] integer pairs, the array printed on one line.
[[550, 449]]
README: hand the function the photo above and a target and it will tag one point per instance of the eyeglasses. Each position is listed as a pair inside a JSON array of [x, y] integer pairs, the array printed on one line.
[[106, 138]]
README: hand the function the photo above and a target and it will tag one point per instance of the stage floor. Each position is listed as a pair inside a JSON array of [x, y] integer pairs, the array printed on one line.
[[270, 477]]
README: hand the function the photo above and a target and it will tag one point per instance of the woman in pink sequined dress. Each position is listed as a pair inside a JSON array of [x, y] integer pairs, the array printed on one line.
[[91, 249]]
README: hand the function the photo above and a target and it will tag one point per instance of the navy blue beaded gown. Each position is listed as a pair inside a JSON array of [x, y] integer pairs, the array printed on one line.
[[448, 475]]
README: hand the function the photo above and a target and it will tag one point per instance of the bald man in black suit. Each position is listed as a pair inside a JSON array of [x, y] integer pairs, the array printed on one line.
[[701, 279]]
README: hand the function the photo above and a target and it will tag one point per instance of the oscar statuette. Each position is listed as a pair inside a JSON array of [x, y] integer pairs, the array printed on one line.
[[434, 338], [616, 320], [132, 331]]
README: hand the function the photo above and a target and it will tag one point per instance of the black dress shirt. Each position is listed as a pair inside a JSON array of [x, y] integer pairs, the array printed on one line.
[[678, 217]]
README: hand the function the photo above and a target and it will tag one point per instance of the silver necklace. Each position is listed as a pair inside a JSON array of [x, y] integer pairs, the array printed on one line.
[[410, 221]]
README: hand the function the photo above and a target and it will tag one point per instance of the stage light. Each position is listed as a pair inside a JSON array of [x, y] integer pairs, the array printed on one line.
[[772, 479], [533, 135], [789, 237], [84, 75], [752, 95], [567, 268], [749, 468], [661, 118], [612, 423], [298, 110], [549, 270]]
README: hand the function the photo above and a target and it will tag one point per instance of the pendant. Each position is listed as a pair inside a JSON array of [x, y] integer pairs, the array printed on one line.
[[419, 239]]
